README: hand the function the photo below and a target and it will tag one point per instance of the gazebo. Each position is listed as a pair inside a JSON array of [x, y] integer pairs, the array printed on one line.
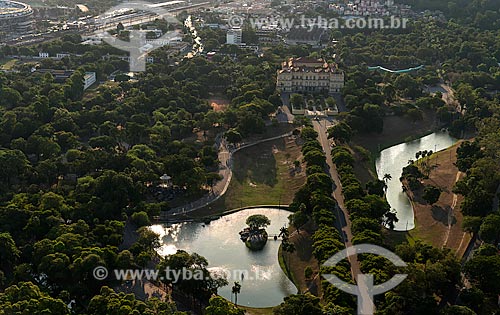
[[166, 181]]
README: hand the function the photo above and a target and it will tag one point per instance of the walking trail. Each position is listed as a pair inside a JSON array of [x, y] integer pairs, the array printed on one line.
[[226, 152]]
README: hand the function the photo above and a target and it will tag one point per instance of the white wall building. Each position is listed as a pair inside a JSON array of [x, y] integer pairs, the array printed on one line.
[[88, 79], [307, 75], [233, 36]]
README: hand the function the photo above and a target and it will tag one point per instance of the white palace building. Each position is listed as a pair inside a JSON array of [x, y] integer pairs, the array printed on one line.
[[307, 75]]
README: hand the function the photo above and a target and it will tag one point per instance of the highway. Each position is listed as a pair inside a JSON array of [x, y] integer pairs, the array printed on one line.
[[127, 20]]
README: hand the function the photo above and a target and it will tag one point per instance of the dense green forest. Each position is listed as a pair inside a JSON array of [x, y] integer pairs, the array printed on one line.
[[77, 169], [483, 14]]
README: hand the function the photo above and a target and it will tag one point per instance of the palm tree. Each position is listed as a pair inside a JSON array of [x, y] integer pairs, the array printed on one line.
[[418, 154], [284, 233], [287, 247], [429, 154], [387, 177], [390, 218], [424, 153], [236, 289]]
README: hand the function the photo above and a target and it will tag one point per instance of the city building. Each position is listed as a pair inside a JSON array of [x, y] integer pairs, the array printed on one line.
[[268, 35], [308, 75], [233, 36], [16, 18], [315, 37], [88, 79], [369, 8], [60, 76], [60, 56]]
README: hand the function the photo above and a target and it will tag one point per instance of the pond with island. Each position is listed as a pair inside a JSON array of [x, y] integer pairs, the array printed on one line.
[[264, 283], [392, 160]]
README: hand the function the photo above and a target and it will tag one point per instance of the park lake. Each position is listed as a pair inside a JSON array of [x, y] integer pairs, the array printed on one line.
[[392, 160], [264, 284]]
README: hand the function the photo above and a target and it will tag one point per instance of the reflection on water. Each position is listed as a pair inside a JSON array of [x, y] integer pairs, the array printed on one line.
[[219, 242], [392, 160]]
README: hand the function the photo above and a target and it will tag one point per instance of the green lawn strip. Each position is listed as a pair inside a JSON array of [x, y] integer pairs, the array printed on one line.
[[288, 272], [260, 177]]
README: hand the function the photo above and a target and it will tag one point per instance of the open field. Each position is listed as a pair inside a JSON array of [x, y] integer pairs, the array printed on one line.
[[300, 259], [265, 174], [440, 224], [262, 175]]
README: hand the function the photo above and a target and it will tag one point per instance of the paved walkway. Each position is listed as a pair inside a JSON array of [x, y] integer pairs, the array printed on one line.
[[343, 220], [451, 216]]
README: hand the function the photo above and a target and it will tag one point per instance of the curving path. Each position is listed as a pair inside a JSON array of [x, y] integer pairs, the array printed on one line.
[[450, 215], [226, 152]]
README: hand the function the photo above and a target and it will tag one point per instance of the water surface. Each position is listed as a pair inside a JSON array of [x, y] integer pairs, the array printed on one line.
[[392, 160], [219, 242]]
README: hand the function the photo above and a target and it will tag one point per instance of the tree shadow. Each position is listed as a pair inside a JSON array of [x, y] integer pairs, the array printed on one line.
[[439, 214], [257, 168]]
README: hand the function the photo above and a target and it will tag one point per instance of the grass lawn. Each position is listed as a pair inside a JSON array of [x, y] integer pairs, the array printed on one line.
[[262, 175], [439, 224], [300, 259], [284, 260], [7, 64], [432, 222], [265, 174]]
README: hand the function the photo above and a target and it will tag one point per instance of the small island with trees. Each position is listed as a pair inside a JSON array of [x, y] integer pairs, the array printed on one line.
[[255, 236]]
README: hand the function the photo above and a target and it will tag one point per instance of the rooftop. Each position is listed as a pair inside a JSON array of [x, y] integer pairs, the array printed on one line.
[[307, 64]]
